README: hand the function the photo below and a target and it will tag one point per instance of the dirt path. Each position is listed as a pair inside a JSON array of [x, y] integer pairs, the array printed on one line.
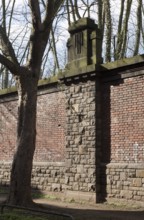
[[95, 211], [89, 211]]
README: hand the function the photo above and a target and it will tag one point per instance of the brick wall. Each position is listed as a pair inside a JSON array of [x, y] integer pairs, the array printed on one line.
[[122, 168], [89, 136], [51, 127], [50, 144], [123, 121], [8, 118]]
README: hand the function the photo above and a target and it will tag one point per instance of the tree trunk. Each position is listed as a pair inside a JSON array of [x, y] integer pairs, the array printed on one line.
[[20, 183], [139, 25], [108, 31]]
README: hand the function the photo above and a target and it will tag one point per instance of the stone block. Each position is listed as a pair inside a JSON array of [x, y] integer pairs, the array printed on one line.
[[140, 193], [75, 186], [126, 194], [54, 173], [82, 149], [116, 178], [123, 176], [78, 89], [137, 198], [126, 183], [56, 187], [78, 140], [140, 173], [77, 177], [91, 172], [91, 100], [91, 187], [137, 182], [119, 184], [80, 169]]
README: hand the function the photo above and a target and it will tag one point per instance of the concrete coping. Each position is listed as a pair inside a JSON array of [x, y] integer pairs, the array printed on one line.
[[88, 69], [60, 164], [123, 62], [123, 165], [37, 163]]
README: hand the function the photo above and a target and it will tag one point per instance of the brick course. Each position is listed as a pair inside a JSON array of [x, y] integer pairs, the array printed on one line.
[[50, 144], [123, 121]]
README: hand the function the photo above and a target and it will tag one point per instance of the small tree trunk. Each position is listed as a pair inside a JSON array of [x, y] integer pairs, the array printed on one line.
[[20, 183], [108, 31]]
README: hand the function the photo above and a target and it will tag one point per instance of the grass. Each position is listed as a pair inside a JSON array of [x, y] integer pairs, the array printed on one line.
[[37, 195], [24, 216], [11, 216]]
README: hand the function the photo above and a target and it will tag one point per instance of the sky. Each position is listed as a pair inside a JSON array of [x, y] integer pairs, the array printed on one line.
[[21, 28]]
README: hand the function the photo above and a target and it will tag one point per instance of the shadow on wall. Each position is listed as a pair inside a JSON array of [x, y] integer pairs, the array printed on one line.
[[106, 132]]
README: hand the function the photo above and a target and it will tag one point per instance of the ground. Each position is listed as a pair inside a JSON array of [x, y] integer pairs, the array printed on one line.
[[89, 211]]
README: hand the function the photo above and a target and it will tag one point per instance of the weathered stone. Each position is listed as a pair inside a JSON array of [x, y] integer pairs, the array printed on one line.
[[91, 100], [140, 173], [137, 182], [77, 177], [80, 169], [78, 140], [123, 176], [91, 187], [75, 108], [54, 173], [81, 130], [119, 184], [82, 149], [56, 187], [91, 172], [91, 114], [78, 89], [75, 186], [127, 194]]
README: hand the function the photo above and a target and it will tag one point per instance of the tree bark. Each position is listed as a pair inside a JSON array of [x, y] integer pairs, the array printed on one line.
[[108, 31], [139, 25], [20, 183]]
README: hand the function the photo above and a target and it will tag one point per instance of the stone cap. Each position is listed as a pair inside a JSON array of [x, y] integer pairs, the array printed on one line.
[[123, 62], [82, 24]]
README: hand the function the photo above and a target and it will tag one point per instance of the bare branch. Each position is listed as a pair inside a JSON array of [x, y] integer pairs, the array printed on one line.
[[6, 46], [11, 15], [36, 14], [13, 68], [51, 10]]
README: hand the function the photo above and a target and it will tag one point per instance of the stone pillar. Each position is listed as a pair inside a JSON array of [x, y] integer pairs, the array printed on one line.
[[83, 109], [84, 44], [82, 136]]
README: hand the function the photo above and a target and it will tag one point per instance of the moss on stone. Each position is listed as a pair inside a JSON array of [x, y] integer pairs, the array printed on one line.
[[71, 71], [8, 90], [123, 62], [46, 81]]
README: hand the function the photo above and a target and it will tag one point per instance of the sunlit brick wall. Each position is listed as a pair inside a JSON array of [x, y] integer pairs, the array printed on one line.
[[50, 145], [8, 118], [123, 120]]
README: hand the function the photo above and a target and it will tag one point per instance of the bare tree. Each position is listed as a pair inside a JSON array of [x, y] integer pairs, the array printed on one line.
[[115, 19], [138, 26], [108, 31], [26, 77]]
